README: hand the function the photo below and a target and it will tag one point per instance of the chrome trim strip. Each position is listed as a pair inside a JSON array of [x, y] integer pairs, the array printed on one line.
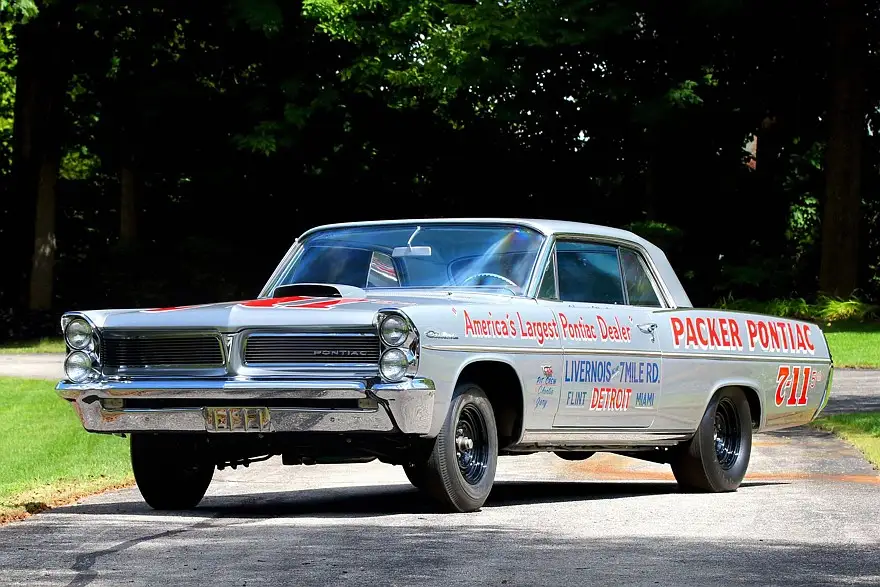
[[581, 351], [538, 350], [96, 419], [723, 357], [407, 405], [666, 296], [545, 253], [459, 348], [601, 437], [281, 268], [282, 334], [826, 395]]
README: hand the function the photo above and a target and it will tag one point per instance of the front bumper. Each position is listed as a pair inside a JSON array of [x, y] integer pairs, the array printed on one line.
[[192, 405]]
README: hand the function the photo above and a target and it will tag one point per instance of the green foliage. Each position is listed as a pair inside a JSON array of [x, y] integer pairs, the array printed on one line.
[[19, 9], [265, 16], [625, 113], [825, 309], [7, 95], [79, 164]]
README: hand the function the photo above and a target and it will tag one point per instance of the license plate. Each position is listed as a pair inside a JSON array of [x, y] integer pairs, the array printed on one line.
[[237, 420]]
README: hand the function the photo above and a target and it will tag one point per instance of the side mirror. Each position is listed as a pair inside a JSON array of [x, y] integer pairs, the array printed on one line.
[[411, 252]]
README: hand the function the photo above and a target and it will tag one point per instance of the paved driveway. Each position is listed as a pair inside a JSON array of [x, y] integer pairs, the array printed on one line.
[[806, 514], [35, 366]]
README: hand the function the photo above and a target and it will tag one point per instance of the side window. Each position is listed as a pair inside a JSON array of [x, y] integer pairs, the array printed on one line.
[[589, 272], [639, 288], [547, 290], [382, 272]]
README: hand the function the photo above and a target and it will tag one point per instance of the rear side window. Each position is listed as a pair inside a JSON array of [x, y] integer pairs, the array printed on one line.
[[589, 272], [639, 287]]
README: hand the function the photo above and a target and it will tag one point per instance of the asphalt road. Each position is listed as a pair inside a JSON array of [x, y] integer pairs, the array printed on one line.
[[806, 514]]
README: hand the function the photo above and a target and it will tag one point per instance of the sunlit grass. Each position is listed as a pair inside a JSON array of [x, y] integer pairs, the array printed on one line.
[[47, 456], [42, 345]]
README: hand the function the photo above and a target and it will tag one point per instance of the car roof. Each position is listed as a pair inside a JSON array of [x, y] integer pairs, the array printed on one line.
[[546, 227], [549, 228]]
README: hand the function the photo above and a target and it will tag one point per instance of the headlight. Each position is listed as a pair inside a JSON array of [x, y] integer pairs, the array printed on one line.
[[393, 365], [394, 330], [78, 334], [78, 367]]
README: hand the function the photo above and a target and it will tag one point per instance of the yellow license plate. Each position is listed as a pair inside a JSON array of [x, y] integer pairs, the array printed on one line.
[[237, 420]]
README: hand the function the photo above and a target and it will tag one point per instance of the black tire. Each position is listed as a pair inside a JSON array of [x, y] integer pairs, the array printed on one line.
[[416, 475], [171, 471], [717, 457], [574, 455], [461, 478]]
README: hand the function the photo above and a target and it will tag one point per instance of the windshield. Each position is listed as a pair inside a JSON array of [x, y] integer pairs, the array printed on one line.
[[413, 255]]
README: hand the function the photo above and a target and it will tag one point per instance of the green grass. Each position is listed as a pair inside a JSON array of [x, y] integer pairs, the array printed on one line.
[[862, 430], [47, 456], [43, 345], [854, 344]]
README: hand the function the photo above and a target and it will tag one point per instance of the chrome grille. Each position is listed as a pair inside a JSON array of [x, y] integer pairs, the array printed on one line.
[[146, 351], [262, 349]]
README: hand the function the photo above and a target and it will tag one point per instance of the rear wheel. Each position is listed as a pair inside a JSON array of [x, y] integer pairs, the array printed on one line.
[[171, 470], [717, 457], [461, 469]]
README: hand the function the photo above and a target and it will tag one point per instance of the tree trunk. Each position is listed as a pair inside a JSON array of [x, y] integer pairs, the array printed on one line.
[[128, 209], [42, 73], [838, 274], [44, 239], [19, 204]]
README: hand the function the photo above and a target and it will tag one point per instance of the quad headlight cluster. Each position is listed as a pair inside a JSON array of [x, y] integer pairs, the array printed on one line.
[[400, 346], [81, 364]]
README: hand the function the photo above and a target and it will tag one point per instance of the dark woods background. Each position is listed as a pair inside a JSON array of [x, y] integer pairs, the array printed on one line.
[[165, 153]]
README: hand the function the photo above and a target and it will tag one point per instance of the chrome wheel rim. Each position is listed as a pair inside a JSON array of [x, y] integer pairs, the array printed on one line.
[[471, 444], [728, 433]]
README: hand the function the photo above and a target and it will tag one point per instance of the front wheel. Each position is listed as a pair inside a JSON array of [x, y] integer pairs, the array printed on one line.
[[416, 475], [461, 469], [717, 457], [171, 470]]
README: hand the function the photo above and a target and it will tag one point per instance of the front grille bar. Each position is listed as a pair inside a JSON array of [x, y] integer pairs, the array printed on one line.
[[309, 348]]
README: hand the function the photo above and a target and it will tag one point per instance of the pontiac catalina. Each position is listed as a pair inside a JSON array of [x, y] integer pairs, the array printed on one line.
[[439, 345]]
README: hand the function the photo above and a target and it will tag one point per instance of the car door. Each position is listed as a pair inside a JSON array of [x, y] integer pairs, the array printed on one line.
[[604, 301]]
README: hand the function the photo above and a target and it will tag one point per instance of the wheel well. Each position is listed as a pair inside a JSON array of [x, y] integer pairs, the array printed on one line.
[[502, 386], [753, 399]]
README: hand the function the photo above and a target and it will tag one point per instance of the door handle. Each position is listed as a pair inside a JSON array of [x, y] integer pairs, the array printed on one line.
[[648, 328]]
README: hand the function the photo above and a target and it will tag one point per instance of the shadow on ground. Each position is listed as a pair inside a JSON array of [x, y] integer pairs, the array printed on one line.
[[373, 501], [224, 549]]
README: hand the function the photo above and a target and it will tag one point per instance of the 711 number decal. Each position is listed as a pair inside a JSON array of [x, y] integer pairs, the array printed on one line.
[[796, 381]]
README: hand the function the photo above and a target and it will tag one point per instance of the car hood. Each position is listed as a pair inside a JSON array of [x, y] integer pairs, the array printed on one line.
[[331, 311]]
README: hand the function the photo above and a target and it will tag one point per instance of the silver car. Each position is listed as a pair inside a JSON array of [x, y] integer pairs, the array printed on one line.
[[439, 345]]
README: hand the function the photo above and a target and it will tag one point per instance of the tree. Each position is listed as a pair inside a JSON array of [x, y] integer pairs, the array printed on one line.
[[42, 76], [839, 269]]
